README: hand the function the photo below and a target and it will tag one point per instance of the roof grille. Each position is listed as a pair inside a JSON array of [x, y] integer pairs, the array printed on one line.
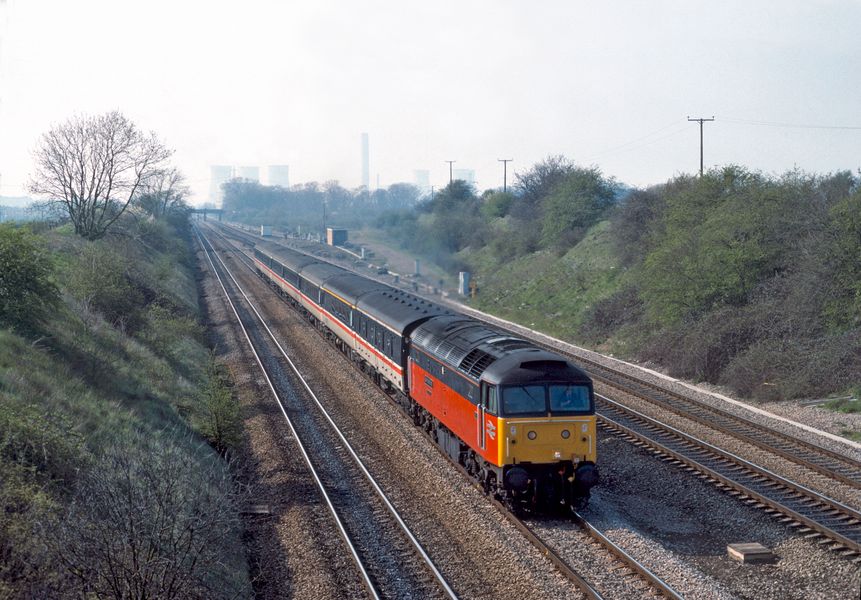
[[421, 337], [476, 362]]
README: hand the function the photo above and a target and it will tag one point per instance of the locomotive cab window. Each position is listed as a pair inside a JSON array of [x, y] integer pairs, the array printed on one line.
[[524, 400], [569, 398], [490, 399]]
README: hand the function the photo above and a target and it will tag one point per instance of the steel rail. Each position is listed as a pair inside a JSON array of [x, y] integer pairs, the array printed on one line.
[[420, 550], [567, 570], [815, 511], [807, 454], [340, 525], [662, 586]]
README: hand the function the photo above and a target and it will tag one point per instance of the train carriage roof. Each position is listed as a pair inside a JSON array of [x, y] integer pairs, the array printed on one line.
[[319, 272], [398, 309], [351, 286], [289, 258]]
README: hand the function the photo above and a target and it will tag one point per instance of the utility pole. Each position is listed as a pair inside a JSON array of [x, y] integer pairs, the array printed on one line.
[[450, 163], [504, 162], [701, 121], [324, 220]]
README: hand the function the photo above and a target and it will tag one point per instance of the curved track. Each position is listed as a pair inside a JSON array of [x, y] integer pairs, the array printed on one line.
[[807, 454], [812, 513], [391, 561]]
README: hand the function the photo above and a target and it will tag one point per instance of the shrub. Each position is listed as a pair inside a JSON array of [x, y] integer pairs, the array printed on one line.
[[222, 421], [150, 521], [26, 287], [100, 277]]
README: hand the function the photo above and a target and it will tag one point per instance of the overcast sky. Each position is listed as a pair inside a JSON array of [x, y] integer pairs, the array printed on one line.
[[608, 84]]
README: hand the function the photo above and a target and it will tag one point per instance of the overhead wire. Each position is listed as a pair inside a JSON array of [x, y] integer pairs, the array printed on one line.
[[789, 125], [642, 141]]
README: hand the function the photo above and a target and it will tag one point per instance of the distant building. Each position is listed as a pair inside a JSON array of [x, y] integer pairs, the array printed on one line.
[[252, 173], [218, 174], [336, 236], [468, 175], [366, 162], [421, 178], [278, 175]]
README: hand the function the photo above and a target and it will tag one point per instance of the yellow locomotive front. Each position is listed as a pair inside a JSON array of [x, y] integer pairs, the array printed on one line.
[[546, 431]]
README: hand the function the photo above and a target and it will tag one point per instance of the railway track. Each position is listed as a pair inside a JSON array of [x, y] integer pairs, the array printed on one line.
[[806, 454], [638, 577], [391, 561], [814, 514], [812, 456]]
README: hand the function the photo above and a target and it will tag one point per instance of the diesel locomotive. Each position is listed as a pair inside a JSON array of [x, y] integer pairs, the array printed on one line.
[[519, 419]]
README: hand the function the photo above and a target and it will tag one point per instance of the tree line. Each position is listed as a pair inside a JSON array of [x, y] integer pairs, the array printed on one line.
[[736, 277]]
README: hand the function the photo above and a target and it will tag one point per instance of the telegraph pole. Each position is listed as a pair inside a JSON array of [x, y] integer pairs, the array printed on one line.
[[450, 163], [504, 162], [701, 121]]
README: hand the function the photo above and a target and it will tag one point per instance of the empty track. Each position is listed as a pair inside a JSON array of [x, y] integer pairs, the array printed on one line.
[[391, 561]]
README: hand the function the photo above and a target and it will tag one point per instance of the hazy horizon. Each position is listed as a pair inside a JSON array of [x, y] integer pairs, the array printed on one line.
[[292, 83]]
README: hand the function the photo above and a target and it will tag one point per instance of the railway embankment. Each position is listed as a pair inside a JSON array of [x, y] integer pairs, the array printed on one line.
[[114, 420]]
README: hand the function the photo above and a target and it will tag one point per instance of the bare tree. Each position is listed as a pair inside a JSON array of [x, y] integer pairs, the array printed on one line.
[[165, 192], [92, 167]]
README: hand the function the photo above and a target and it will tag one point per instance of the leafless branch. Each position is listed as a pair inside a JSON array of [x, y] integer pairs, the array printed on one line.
[[93, 167]]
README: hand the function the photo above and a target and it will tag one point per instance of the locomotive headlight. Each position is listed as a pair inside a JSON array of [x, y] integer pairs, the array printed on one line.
[[565, 434], [532, 435]]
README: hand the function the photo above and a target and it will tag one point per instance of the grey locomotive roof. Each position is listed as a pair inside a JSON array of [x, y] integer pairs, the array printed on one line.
[[398, 309], [528, 365], [482, 351], [351, 286], [317, 273]]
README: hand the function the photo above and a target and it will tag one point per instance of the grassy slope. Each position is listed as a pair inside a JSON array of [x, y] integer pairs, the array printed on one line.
[[100, 385], [547, 292]]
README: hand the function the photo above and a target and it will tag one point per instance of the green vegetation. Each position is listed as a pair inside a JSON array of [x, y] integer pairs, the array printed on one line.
[[736, 278], [26, 288], [305, 208], [104, 401]]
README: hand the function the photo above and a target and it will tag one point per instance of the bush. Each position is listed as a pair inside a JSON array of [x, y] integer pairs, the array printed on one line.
[[40, 456], [611, 314], [101, 278], [222, 421], [26, 287], [149, 521]]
